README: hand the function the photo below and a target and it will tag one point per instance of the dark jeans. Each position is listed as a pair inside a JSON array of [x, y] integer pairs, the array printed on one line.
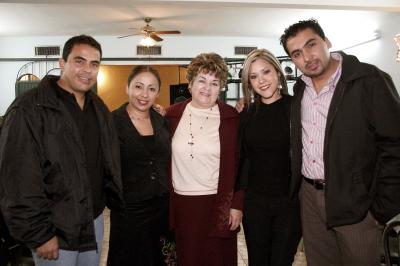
[[135, 236], [272, 229]]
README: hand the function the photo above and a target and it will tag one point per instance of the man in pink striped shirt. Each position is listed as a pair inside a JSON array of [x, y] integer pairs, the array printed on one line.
[[345, 137]]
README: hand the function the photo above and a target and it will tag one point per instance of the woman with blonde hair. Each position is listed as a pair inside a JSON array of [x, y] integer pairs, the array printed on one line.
[[271, 219], [205, 208]]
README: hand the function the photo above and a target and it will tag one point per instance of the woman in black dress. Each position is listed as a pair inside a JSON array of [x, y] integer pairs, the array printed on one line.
[[271, 220], [145, 153]]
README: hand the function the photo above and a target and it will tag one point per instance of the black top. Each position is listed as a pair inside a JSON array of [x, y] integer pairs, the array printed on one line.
[[148, 141], [144, 159], [266, 146], [88, 126]]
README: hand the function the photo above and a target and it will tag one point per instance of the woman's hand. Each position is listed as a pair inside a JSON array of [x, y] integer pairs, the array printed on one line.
[[235, 218], [159, 109], [239, 105]]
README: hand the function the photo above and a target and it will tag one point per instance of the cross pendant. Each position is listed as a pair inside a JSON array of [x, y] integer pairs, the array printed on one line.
[[190, 142]]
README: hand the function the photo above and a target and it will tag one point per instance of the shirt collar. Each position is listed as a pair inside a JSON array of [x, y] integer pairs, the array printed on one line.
[[66, 95]]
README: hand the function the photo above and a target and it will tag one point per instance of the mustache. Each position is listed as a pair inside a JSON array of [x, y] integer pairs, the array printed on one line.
[[313, 62]]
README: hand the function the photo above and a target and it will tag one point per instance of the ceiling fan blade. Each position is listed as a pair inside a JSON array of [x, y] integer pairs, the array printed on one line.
[[155, 37], [133, 34], [167, 32]]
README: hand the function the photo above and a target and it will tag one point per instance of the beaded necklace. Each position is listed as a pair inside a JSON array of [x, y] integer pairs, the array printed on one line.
[[191, 135]]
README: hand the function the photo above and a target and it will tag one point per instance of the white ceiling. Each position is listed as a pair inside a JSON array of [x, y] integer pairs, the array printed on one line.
[[246, 18]]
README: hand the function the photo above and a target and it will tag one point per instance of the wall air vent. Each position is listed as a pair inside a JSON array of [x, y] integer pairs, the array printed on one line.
[[244, 50], [47, 50], [148, 50]]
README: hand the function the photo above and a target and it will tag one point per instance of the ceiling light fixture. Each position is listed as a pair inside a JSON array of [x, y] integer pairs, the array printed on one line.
[[147, 41], [397, 40]]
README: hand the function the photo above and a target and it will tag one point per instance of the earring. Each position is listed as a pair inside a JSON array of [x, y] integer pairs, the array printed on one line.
[[279, 88]]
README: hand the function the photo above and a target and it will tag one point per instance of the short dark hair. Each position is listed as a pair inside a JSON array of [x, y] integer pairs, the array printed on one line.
[[141, 69], [80, 39], [292, 31]]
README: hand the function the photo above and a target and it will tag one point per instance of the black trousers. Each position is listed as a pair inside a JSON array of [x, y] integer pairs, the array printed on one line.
[[135, 236], [272, 229]]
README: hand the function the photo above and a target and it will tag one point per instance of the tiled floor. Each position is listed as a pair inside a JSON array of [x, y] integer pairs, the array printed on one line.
[[242, 250]]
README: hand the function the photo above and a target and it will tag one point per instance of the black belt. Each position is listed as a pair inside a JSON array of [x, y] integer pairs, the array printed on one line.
[[318, 184]]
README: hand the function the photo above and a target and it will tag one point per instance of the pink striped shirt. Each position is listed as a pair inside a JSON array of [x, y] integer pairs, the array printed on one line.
[[314, 112]]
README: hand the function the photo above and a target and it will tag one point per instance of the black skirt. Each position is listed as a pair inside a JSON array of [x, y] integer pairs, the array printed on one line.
[[135, 235]]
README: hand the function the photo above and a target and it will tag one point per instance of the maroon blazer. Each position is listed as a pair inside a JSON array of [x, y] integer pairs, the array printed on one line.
[[227, 198]]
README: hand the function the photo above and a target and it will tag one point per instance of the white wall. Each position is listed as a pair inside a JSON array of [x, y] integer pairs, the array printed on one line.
[[381, 52], [23, 47]]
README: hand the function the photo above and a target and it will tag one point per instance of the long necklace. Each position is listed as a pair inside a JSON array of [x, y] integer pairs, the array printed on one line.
[[191, 136]]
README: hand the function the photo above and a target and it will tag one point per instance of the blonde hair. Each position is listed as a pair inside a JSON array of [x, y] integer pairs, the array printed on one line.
[[206, 63], [248, 90]]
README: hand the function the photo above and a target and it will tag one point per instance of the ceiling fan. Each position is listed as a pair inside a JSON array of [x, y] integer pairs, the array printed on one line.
[[149, 32]]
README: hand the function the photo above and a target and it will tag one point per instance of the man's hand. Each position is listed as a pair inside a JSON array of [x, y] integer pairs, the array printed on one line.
[[235, 218], [239, 105], [49, 250], [159, 109]]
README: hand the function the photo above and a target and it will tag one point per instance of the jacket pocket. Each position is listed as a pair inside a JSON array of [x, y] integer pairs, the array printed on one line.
[[54, 184], [358, 189]]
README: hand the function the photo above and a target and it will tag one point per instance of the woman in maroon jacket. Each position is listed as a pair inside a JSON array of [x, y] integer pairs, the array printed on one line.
[[205, 209]]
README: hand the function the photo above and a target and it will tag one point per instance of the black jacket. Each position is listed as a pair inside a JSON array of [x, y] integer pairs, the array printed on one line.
[[144, 171], [361, 146], [44, 188]]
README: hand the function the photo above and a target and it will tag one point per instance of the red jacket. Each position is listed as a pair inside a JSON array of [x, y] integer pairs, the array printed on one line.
[[227, 198]]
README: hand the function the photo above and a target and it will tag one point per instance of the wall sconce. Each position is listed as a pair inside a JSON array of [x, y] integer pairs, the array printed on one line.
[[147, 41], [397, 40]]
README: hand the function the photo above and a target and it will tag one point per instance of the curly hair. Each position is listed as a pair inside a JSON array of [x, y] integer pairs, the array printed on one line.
[[292, 31], [206, 63], [248, 90]]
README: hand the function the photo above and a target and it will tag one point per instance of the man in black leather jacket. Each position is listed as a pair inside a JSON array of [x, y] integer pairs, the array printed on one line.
[[59, 162], [345, 137]]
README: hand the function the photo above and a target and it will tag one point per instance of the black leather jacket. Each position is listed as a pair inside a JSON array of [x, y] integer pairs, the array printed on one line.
[[361, 145], [44, 188]]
